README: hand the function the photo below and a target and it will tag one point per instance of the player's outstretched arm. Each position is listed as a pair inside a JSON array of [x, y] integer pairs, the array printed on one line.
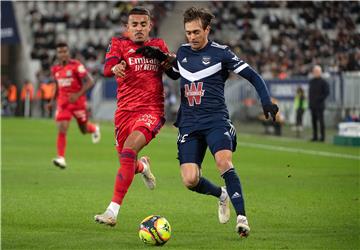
[[256, 80]]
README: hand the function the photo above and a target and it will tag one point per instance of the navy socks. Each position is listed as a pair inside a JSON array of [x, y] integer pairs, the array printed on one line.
[[204, 186], [233, 188]]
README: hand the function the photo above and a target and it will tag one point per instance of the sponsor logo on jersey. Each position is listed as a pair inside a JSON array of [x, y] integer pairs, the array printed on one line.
[[184, 60], [206, 60], [194, 92], [131, 50], [143, 63], [64, 82]]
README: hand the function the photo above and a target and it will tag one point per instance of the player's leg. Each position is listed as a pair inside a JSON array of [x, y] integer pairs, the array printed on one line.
[[149, 124], [128, 147], [322, 124], [62, 126], [85, 126], [125, 175], [314, 119], [62, 118], [192, 150], [222, 142]]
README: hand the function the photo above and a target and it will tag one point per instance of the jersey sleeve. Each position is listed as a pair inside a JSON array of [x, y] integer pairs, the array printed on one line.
[[114, 50], [175, 67], [81, 70], [113, 56], [238, 66], [232, 62]]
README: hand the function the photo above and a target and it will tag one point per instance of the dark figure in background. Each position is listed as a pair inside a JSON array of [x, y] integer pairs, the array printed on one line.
[[318, 91], [300, 107]]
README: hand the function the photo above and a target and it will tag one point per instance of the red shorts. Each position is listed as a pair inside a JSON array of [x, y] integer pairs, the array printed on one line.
[[148, 123], [65, 111]]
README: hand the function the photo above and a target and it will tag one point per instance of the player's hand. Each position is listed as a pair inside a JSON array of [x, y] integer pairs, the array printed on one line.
[[272, 109], [152, 52], [169, 62], [73, 97], [119, 69]]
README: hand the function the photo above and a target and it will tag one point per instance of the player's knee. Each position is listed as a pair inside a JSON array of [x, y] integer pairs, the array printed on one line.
[[223, 164], [190, 182], [62, 129]]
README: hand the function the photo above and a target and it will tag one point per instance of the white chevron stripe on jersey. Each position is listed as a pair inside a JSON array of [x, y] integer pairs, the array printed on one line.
[[199, 74], [238, 69]]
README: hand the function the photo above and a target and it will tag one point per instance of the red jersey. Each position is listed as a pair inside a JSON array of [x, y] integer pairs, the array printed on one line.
[[68, 79], [141, 89]]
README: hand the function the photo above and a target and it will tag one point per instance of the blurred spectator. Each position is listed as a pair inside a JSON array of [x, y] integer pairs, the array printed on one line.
[[300, 105], [307, 33], [45, 93], [27, 97], [95, 16], [318, 91], [12, 98], [273, 127], [351, 115]]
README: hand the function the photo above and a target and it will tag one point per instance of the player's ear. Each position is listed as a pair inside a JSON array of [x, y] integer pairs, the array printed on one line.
[[207, 29], [150, 25]]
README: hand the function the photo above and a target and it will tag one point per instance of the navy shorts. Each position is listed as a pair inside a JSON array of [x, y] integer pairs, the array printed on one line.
[[192, 145]]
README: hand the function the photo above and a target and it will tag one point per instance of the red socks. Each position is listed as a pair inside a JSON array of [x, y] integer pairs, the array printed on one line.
[[90, 128], [139, 167], [61, 144], [125, 174]]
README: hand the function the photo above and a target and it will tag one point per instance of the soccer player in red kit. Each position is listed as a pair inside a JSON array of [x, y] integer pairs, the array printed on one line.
[[72, 82], [140, 104]]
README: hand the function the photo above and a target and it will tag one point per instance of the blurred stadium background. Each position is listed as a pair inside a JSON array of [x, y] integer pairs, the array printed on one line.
[[282, 40]]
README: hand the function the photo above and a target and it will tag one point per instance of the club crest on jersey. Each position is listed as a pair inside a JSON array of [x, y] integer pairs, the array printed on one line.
[[194, 92], [206, 60], [68, 73]]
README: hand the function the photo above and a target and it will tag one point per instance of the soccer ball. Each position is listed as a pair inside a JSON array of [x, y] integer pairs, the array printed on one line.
[[155, 230]]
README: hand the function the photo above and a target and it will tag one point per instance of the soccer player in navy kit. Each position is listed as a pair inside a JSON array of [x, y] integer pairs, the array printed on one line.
[[203, 119]]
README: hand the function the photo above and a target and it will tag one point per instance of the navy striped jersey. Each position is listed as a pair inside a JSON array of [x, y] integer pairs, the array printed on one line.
[[203, 74]]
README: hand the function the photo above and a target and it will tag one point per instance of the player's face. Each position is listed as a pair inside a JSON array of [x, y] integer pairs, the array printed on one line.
[[139, 27], [196, 35], [63, 54]]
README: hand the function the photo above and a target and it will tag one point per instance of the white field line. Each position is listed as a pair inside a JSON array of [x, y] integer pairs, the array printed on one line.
[[284, 149], [298, 150]]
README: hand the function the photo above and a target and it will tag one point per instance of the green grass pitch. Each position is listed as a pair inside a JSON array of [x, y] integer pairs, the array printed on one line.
[[294, 200]]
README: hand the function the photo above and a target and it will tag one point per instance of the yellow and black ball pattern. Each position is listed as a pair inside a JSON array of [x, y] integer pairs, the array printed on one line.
[[155, 230]]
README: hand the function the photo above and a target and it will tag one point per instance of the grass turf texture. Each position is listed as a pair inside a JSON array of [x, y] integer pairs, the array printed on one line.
[[293, 200]]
